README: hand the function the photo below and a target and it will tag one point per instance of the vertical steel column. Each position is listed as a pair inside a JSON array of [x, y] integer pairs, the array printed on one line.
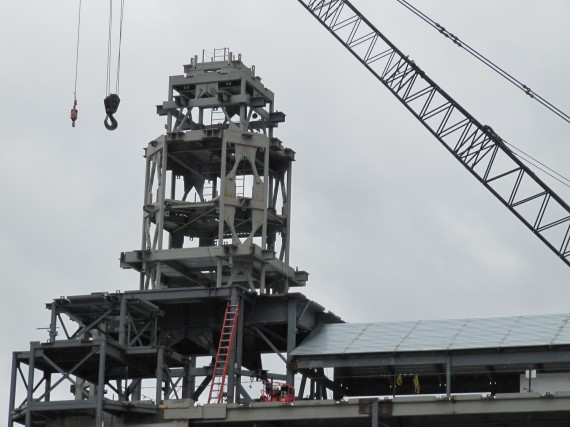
[[101, 383], [301, 390], [13, 378], [170, 99], [146, 219], [154, 332], [265, 195], [287, 232], [222, 205], [374, 413], [271, 197], [172, 196], [189, 380], [201, 115], [30, 391], [448, 376], [47, 382], [159, 375], [242, 116], [53, 323], [291, 338], [161, 208], [288, 213], [239, 349], [262, 271], [231, 379], [136, 394], [270, 127], [122, 321], [244, 121]]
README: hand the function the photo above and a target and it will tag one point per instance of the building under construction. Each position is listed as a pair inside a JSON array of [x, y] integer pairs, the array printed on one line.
[[217, 296], [218, 332]]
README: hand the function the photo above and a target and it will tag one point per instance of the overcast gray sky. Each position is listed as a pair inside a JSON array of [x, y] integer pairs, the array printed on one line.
[[387, 223]]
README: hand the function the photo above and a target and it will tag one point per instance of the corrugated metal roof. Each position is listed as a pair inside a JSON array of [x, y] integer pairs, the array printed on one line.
[[434, 335]]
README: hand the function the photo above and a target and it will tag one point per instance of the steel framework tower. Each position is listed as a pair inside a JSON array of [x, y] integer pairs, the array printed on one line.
[[219, 226], [214, 276], [215, 297]]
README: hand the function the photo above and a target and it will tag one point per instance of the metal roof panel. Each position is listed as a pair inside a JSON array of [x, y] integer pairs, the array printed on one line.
[[437, 335]]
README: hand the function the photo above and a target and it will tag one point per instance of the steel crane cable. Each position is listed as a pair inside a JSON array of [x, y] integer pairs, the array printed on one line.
[[73, 114], [538, 165], [120, 42], [518, 152], [486, 61], [109, 49], [112, 100]]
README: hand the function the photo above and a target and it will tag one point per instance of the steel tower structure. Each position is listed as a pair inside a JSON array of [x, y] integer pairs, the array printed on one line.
[[215, 297], [220, 225], [214, 275]]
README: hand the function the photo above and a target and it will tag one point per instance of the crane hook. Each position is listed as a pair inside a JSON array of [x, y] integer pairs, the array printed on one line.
[[111, 105], [73, 115]]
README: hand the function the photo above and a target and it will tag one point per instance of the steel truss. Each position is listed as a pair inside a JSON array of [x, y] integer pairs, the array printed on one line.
[[476, 146], [119, 356], [112, 350], [236, 185]]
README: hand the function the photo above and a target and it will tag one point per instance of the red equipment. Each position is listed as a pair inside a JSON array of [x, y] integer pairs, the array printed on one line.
[[277, 392]]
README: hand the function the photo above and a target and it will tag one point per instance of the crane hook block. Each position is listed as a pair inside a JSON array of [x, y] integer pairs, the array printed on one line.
[[73, 115], [111, 105]]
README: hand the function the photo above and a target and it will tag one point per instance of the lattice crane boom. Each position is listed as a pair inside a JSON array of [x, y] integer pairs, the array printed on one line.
[[479, 149]]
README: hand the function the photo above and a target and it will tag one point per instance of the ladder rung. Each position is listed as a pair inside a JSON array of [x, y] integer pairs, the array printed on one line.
[[224, 347]]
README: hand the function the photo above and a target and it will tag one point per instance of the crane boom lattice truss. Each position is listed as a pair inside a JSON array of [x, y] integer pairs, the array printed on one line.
[[475, 145]]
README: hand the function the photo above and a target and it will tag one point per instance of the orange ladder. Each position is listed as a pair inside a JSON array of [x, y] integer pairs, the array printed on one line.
[[225, 345]]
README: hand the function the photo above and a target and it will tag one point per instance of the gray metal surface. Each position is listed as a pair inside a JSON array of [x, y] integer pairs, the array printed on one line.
[[217, 182], [430, 335], [505, 410]]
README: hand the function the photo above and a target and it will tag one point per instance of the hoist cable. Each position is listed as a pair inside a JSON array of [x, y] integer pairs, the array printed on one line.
[[487, 62], [77, 52], [120, 40], [516, 151], [535, 162], [109, 48], [112, 100], [73, 113]]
